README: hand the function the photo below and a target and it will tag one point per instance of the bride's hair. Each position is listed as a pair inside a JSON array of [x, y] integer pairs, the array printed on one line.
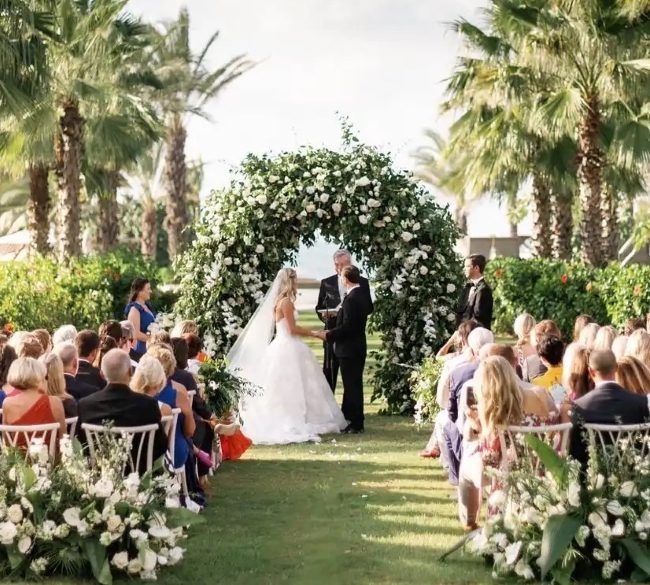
[[286, 281]]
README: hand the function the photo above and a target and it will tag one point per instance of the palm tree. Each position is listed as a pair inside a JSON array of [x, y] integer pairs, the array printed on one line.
[[188, 85]]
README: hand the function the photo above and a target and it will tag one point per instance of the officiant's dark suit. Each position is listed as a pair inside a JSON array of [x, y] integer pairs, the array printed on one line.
[[329, 297], [350, 348], [476, 300]]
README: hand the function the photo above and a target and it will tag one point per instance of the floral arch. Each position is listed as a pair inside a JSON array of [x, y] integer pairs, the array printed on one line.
[[354, 197]]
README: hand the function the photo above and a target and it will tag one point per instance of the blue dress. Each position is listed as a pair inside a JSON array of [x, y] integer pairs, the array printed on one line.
[[181, 444], [146, 319]]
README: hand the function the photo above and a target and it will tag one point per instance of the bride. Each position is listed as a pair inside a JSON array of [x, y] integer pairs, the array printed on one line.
[[295, 403]]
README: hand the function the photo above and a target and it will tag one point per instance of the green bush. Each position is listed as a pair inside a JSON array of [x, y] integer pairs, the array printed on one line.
[[43, 293], [561, 291]]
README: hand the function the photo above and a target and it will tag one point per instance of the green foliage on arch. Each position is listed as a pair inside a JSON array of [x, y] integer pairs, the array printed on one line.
[[354, 197]]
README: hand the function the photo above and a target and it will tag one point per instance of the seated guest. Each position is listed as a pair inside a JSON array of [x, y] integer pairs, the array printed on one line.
[[631, 325], [149, 379], [87, 343], [607, 403], [111, 328], [194, 345], [575, 377], [184, 328], [44, 337], [106, 344], [499, 403], [638, 346], [119, 404], [175, 399], [605, 337], [30, 405], [64, 334], [128, 333], [523, 328], [29, 346], [452, 445], [580, 323], [55, 381], [619, 346], [161, 336], [550, 350], [532, 366], [633, 375], [588, 335], [7, 357], [76, 388], [16, 338], [181, 375]]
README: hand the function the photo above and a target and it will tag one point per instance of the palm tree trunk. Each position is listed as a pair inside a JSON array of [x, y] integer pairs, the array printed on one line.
[[461, 220], [149, 228], [108, 214], [514, 229], [542, 247], [610, 232], [38, 210], [176, 183], [562, 225], [590, 167], [68, 152]]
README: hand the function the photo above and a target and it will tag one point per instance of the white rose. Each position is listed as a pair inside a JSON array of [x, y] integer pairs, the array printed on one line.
[[71, 516], [227, 261], [310, 208], [619, 528], [24, 544], [416, 226], [261, 199], [451, 288], [8, 532], [596, 519], [105, 538], [423, 270], [324, 198], [363, 220], [175, 555], [259, 249], [103, 488], [362, 182], [273, 179], [120, 560], [114, 522], [407, 236], [149, 560], [15, 513], [134, 566], [451, 317], [336, 208]]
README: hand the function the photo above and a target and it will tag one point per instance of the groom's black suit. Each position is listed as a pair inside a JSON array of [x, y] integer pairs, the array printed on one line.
[[349, 338], [329, 297]]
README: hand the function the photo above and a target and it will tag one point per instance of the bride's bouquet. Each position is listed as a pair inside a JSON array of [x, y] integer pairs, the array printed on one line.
[[224, 388]]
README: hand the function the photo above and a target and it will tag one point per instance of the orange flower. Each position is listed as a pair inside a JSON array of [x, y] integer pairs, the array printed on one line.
[[590, 286], [498, 273], [637, 290], [9, 328], [564, 279]]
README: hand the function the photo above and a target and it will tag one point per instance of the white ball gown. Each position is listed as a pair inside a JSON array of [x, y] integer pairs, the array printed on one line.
[[295, 403]]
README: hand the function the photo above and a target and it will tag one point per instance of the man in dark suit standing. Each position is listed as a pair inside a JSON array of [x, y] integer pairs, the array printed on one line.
[[607, 403], [331, 296], [350, 348], [476, 299], [119, 404], [87, 343], [78, 389]]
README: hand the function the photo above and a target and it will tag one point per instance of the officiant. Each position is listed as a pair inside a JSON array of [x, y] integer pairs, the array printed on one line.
[[331, 295]]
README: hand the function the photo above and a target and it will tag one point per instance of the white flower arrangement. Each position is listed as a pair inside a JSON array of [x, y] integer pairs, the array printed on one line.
[[355, 196], [104, 519]]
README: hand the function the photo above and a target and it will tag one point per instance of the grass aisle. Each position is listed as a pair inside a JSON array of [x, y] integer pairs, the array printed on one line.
[[351, 510]]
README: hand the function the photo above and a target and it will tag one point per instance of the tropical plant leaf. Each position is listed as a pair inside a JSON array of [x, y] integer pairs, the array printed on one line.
[[177, 517], [558, 535], [96, 555], [554, 464], [639, 554]]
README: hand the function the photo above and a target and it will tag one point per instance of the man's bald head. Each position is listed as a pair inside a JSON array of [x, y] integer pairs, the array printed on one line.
[[602, 365]]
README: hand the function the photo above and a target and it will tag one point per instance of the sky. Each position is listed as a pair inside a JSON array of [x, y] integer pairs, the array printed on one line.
[[382, 63]]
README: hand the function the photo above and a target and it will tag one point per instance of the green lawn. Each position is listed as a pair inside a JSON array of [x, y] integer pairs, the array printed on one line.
[[360, 510]]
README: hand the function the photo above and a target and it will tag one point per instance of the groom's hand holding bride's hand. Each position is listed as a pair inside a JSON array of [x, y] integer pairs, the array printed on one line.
[[320, 334]]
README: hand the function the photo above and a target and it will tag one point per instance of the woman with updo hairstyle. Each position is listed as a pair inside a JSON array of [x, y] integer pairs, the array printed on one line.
[[139, 312], [588, 335], [499, 404], [605, 337], [149, 379], [523, 327]]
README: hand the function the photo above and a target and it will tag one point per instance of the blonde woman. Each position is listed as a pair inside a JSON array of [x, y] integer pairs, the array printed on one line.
[[149, 379], [605, 337], [184, 328], [295, 403], [499, 403], [523, 327], [638, 346], [633, 375], [55, 381], [588, 335]]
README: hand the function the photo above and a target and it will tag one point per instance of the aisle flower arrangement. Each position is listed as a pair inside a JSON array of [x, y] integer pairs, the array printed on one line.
[[424, 387], [223, 387], [560, 525], [70, 518]]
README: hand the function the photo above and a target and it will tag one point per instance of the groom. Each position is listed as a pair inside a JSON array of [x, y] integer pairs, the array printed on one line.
[[330, 296], [349, 338]]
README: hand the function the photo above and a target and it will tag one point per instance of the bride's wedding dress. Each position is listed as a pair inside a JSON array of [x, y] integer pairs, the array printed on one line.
[[296, 403]]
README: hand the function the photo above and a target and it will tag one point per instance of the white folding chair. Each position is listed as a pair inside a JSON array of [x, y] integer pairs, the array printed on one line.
[[140, 438], [613, 442], [21, 436], [169, 423], [191, 394], [514, 447], [71, 425]]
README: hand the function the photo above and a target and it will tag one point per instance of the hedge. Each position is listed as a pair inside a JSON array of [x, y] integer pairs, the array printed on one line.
[[561, 291], [42, 293]]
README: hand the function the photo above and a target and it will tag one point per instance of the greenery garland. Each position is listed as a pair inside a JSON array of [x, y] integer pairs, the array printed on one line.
[[356, 198]]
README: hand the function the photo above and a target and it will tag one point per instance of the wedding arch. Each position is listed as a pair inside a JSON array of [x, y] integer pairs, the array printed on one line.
[[354, 197]]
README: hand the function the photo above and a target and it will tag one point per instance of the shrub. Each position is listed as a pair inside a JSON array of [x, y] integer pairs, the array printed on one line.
[[561, 291], [43, 293]]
